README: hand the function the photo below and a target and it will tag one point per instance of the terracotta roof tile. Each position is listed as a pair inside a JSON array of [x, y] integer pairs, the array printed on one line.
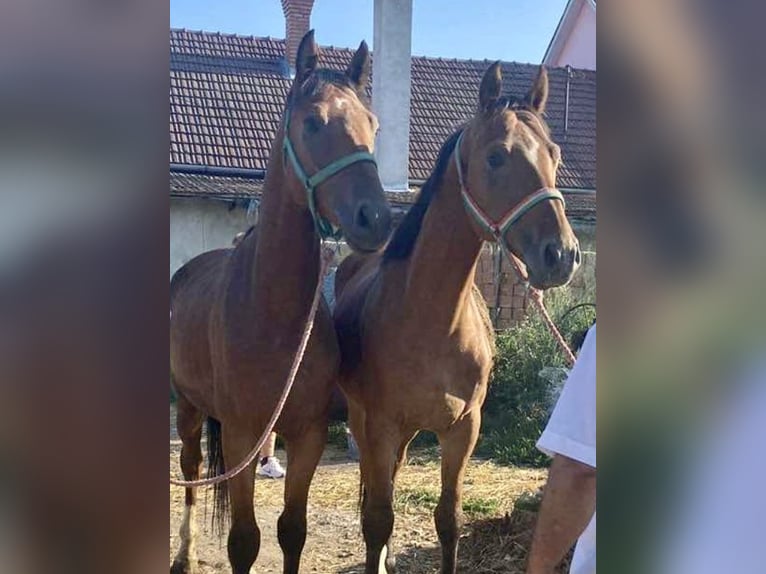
[[227, 94], [200, 185]]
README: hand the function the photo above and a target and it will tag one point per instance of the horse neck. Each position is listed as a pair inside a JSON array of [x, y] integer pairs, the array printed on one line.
[[282, 271], [443, 264]]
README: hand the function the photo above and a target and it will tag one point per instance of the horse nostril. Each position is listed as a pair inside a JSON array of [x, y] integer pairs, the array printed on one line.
[[364, 217], [552, 255], [577, 255]]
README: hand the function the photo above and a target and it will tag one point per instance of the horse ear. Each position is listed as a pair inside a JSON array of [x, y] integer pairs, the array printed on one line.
[[306, 60], [538, 95], [491, 84], [358, 70]]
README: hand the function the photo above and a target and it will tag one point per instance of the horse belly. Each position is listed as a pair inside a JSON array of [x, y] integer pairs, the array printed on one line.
[[311, 395]]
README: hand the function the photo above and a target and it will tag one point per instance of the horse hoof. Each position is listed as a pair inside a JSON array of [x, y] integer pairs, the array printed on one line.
[[184, 567]]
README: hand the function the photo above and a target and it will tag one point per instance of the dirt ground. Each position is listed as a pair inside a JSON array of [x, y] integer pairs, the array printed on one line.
[[495, 539]]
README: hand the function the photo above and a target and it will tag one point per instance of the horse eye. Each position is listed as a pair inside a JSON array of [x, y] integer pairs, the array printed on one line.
[[312, 124], [495, 160]]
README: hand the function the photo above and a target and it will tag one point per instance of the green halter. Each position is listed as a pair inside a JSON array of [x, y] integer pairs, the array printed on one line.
[[324, 228]]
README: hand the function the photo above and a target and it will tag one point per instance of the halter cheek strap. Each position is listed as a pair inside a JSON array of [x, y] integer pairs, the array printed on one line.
[[324, 228], [498, 228]]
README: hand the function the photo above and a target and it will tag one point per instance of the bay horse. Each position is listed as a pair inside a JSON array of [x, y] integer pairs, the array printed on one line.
[[238, 314], [416, 341]]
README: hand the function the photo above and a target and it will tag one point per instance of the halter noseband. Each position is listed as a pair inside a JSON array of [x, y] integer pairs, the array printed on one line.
[[324, 228], [498, 228]]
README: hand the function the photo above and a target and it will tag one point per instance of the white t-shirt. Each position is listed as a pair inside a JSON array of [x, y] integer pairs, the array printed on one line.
[[571, 432], [719, 526]]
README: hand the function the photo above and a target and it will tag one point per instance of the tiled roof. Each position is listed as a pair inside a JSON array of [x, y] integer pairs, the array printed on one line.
[[227, 94], [225, 187]]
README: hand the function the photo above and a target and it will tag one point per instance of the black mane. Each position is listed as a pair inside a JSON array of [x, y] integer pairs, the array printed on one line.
[[403, 240]]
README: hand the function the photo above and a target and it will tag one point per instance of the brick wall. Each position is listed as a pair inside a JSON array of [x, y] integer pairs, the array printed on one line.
[[505, 295], [297, 23]]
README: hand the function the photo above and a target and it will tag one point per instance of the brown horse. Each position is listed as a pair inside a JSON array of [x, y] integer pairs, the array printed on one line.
[[416, 341], [238, 314]]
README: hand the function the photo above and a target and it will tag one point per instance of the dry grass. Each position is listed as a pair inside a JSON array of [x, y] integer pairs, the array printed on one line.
[[495, 538]]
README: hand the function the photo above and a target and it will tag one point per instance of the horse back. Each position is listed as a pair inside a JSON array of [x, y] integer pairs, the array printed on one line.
[[197, 268]]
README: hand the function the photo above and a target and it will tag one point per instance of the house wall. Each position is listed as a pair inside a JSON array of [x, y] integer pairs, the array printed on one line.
[[198, 225], [579, 50]]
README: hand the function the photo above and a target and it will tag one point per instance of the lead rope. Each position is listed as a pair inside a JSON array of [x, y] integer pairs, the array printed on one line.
[[537, 297], [326, 260]]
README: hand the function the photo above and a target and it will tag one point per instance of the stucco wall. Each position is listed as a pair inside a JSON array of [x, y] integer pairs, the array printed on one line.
[[198, 225], [579, 51]]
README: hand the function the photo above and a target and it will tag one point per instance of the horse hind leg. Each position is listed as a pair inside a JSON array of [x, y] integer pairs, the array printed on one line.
[[244, 540], [189, 425], [457, 444], [303, 456]]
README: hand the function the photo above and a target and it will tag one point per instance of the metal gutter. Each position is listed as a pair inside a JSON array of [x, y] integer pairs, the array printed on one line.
[[218, 171]]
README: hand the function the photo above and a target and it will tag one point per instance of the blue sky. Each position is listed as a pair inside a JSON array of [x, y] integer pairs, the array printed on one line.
[[517, 30]]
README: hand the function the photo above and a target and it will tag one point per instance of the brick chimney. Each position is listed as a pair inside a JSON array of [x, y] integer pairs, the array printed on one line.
[[297, 23]]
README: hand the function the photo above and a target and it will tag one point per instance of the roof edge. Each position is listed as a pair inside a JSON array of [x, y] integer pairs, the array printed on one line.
[[566, 15], [198, 169], [350, 49]]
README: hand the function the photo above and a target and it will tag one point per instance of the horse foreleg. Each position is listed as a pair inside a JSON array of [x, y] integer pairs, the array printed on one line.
[[189, 425], [401, 458], [378, 461], [244, 536], [457, 444], [303, 455]]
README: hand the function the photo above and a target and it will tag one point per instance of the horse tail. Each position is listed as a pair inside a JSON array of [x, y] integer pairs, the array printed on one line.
[[215, 467]]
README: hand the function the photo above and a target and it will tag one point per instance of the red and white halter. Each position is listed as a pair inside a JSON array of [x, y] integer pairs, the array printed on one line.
[[498, 230]]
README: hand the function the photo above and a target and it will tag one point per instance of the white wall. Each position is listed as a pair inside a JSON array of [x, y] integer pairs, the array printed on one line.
[[579, 50], [391, 90], [198, 225]]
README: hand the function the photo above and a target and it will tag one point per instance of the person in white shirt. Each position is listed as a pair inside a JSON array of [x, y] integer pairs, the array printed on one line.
[[716, 525], [568, 509]]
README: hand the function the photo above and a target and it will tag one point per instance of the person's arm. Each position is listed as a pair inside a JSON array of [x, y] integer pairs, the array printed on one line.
[[569, 502]]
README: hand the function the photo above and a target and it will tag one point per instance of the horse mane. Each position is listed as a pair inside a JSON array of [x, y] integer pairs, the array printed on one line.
[[403, 240]]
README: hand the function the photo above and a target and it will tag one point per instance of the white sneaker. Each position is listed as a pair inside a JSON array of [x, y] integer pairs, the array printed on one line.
[[271, 468]]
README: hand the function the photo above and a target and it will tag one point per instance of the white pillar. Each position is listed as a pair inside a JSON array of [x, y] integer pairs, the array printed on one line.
[[392, 40]]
